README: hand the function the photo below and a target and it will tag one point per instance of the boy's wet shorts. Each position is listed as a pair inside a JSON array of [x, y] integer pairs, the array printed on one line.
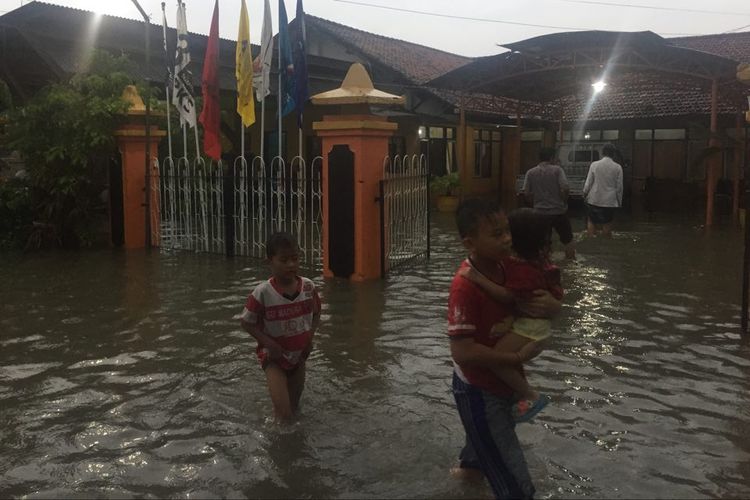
[[289, 369], [561, 224], [601, 215], [285, 363], [532, 328]]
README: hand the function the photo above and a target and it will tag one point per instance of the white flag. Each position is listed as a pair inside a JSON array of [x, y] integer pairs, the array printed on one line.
[[182, 95], [262, 63]]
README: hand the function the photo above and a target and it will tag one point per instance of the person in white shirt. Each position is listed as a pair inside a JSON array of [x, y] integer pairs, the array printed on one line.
[[603, 192]]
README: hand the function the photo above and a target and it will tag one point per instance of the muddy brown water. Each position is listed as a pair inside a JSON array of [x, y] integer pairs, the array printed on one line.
[[124, 374]]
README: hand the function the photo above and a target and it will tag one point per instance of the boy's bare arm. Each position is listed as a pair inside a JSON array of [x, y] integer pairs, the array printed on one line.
[[542, 305], [465, 351], [497, 292], [315, 324], [274, 349]]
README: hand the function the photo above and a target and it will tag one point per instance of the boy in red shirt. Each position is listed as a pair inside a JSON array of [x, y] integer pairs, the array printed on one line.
[[527, 270], [282, 314], [483, 400]]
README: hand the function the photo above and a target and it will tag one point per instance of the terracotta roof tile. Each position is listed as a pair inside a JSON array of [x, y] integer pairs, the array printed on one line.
[[418, 63], [732, 45], [634, 97]]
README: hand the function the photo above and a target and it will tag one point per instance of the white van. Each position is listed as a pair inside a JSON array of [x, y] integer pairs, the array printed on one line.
[[575, 159]]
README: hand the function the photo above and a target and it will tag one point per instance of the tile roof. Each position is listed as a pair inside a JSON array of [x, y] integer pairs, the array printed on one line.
[[636, 97], [418, 63], [642, 99], [732, 45], [650, 103]]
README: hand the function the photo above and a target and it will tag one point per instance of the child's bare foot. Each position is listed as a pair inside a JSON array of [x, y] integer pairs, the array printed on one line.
[[526, 409], [532, 395], [466, 474]]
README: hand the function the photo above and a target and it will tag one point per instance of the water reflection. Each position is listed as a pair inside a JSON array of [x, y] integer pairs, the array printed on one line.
[[125, 374]]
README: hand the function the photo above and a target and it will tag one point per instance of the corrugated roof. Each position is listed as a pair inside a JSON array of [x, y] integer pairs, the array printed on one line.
[[557, 42]]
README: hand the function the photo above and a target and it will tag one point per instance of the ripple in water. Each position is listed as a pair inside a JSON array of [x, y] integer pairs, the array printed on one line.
[[146, 387]]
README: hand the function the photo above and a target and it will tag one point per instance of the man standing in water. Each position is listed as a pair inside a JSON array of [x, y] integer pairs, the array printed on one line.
[[546, 188], [603, 192], [483, 400]]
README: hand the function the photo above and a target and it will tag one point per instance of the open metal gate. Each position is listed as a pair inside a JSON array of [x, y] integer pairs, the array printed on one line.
[[404, 211]]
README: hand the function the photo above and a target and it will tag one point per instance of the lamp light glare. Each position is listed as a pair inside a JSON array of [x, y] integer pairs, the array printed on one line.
[[598, 86]]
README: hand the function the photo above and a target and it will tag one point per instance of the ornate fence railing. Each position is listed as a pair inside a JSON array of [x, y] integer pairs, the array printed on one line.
[[232, 209], [404, 211]]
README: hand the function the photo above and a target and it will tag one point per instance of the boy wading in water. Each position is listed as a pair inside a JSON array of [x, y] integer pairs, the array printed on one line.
[[282, 314], [527, 270], [475, 323]]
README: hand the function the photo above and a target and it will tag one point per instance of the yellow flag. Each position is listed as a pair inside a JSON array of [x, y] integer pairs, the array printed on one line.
[[244, 71]]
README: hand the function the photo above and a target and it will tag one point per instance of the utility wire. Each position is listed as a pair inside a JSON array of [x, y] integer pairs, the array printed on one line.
[[737, 29], [653, 7], [466, 18]]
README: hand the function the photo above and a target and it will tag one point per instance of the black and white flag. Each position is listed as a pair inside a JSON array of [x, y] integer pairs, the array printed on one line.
[[182, 95]]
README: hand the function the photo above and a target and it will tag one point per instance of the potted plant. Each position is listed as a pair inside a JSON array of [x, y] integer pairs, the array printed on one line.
[[446, 189]]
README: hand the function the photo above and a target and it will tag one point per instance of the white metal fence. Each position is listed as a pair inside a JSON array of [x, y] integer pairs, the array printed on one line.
[[405, 210], [232, 209]]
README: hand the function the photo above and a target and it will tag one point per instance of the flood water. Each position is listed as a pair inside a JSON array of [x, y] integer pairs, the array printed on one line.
[[126, 375]]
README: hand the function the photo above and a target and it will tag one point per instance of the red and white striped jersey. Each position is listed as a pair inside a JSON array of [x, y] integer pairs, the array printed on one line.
[[288, 320]]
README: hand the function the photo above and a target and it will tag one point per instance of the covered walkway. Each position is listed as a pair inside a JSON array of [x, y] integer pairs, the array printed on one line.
[[554, 73]]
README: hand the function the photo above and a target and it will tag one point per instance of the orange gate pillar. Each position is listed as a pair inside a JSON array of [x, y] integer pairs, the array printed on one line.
[[131, 140], [355, 145], [366, 136]]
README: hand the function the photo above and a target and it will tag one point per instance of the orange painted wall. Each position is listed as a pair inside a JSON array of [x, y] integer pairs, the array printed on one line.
[[132, 145], [370, 147]]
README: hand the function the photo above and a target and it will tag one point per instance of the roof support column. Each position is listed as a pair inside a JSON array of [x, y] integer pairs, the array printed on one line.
[[463, 165], [715, 159], [517, 164], [739, 151]]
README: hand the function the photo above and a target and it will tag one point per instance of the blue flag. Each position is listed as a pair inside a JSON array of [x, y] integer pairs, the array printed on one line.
[[286, 65], [299, 57]]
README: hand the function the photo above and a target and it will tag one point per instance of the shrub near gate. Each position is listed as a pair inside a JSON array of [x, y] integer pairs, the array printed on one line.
[[65, 136], [16, 214]]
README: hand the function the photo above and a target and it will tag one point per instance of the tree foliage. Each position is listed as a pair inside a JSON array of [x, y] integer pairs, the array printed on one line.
[[65, 137]]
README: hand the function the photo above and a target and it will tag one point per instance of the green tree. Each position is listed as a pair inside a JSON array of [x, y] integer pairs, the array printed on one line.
[[65, 136]]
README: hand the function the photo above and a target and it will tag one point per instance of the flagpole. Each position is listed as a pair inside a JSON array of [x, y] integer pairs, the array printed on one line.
[[197, 143], [195, 127], [184, 140], [280, 96], [242, 139], [166, 86], [266, 50], [262, 125]]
